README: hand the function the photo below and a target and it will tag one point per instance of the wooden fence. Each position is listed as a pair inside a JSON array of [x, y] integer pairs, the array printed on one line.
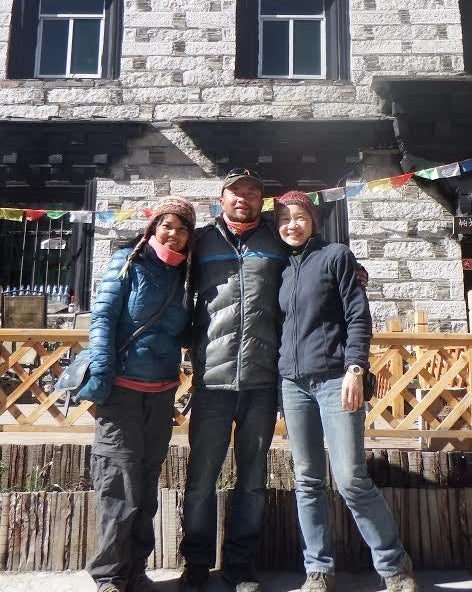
[[430, 494], [423, 389]]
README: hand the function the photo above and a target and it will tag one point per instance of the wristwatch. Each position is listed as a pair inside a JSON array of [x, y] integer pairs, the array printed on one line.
[[355, 369]]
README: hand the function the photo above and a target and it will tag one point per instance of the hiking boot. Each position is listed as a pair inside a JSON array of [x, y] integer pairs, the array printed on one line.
[[194, 578], [403, 581], [318, 582], [141, 583], [242, 577]]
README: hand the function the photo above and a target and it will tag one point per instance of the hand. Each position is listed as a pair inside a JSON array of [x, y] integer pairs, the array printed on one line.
[[352, 392]]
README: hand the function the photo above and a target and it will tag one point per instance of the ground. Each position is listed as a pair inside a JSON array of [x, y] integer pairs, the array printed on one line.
[[429, 581]]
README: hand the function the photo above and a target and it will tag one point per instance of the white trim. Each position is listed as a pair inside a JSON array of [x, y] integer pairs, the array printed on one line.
[[69, 46], [71, 17], [291, 19]]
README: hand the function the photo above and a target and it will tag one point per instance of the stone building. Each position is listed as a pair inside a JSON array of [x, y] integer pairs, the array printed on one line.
[[106, 104]]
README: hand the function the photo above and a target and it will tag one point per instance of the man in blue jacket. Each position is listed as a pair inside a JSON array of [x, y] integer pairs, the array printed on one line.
[[237, 266]]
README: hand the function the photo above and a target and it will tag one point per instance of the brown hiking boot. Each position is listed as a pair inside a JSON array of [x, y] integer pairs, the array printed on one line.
[[403, 581], [318, 582]]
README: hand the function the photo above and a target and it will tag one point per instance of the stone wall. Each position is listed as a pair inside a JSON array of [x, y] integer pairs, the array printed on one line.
[[404, 239], [178, 62]]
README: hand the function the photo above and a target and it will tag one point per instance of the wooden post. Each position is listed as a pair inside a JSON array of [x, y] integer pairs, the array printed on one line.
[[469, 308], [421, 326], [398, 408]]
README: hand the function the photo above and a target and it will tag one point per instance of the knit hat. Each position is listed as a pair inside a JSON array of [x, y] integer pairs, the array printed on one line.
[[297, 198], [172, 204]]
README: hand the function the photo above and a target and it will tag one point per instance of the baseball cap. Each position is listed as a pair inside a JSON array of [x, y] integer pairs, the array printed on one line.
[[240, 173]]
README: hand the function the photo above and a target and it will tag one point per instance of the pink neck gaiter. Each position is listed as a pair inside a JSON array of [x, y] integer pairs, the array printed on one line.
[[240, 227], [165, 254]]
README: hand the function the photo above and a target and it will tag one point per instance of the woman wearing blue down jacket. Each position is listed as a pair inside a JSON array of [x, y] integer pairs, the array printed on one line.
[[135, 390], [323, 355]]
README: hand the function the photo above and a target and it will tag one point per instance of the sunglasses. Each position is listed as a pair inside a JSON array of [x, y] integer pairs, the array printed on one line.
[[239, 172]]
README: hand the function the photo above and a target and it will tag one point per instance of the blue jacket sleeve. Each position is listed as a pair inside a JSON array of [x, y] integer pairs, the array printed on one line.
[[110, 299], [356, 310]]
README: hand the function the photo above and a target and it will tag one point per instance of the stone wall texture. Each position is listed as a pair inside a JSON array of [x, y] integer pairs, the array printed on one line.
[[178, 60]]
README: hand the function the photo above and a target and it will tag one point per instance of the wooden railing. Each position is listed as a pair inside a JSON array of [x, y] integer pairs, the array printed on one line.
[[423, 388]]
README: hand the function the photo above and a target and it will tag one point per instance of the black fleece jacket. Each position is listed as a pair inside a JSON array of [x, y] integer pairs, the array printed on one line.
[[327, 323]]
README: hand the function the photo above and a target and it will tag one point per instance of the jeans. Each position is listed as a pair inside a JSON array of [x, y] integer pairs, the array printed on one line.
[[213, 413], [312, 408], [132, 434]]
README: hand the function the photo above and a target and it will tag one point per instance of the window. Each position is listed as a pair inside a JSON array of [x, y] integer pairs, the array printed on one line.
[[292, 35], [292, 39], [70, 38], [65, 39]]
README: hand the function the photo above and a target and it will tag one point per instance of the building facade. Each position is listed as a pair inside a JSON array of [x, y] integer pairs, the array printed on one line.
[[106, 104]]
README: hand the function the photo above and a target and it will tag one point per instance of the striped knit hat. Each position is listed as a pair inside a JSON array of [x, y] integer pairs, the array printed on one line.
[[297, 198]]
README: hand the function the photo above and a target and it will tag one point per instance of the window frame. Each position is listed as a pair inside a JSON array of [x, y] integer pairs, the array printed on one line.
[[291, 19], [23, 42], [71, 18], [337, 45]]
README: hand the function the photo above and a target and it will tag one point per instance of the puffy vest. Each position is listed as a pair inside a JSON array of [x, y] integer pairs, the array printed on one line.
[[236, 324]]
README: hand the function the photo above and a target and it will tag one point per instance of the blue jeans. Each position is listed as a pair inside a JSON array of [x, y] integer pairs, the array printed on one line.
[[213, 413], [312, 408]]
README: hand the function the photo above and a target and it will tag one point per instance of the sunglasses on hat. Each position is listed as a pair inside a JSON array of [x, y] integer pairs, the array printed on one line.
[[240, 173]]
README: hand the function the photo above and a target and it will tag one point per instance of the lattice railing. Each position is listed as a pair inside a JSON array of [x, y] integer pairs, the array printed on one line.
[[423, 385]]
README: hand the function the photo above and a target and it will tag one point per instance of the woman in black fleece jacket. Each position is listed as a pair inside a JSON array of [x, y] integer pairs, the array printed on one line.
[[323, 355]]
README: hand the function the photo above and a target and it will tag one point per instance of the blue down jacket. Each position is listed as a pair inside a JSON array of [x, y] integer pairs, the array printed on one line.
[[124, 305], [327, 323]]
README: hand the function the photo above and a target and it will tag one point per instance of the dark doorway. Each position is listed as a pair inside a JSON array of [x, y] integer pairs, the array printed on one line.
[[465, 7]]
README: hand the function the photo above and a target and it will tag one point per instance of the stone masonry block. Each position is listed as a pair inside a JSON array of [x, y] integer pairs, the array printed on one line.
[[196, 188], [172, 95], [381, 268], [438, 309], [211, 48], [430, 270], [402, 290], [359, 248], [407, 211], [79, 96], [107, 187], [247, 94], [124, 112], [432, 228], [189, 110], [199, 20], [410, 250], [29, 111], [16, 96], [381, 310], [384, 229]]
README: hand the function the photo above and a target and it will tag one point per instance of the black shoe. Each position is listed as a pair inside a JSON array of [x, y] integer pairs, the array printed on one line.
[[194, 578], [141, 583], [242, 577]]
